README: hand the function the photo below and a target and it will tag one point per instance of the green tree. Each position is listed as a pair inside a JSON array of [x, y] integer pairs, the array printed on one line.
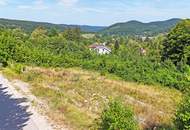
[[8, 43], [176, 45], [118, 117], [39, 35], [72, 34], [39, 32], [116, 45], [53, 32]]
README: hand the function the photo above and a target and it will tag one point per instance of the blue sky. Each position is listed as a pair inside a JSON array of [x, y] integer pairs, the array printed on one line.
[[94, 12]]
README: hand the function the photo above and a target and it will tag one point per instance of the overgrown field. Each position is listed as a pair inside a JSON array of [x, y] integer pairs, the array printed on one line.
[[77, 97], [70, 49]]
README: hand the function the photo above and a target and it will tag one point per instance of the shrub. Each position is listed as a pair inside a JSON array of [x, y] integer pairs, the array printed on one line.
[[182, 120], [17, 68], [118, 117]]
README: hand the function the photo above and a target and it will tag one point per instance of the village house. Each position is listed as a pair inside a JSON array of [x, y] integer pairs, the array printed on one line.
[[100, 49]]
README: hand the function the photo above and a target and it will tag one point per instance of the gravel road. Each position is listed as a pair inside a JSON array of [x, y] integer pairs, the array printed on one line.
[[16, 112]]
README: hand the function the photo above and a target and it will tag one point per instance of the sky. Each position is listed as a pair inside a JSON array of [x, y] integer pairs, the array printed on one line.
[[94, 12]]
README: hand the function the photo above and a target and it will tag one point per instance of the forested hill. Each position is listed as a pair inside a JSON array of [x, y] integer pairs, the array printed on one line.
[[139, 28], [29, 26], [127, 28]]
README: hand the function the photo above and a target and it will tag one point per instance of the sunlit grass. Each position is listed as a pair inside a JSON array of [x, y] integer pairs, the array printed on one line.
[[76, 97]]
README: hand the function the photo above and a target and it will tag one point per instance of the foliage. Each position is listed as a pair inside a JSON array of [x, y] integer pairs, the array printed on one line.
[[17, 68], [139, 28], [8, 45], [116, 45], [177, 44], [70, 49], [72, 34], [118, 117], [182, 120], [29, 26]]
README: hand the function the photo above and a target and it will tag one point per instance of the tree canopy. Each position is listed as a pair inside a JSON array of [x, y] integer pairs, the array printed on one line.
[[177, 44]]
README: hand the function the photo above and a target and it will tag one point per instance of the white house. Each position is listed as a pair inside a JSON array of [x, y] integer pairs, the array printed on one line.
[[101, 49]]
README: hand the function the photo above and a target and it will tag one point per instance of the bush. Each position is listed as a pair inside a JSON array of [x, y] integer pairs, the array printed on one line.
[[18, 68], [118, 117], [182, 120]]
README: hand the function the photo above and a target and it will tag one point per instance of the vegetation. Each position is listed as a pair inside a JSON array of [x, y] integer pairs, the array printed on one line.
[[159, 61], [118, 117], [29, 26], [177, 44], [128, 28], [77, 97], [139, 28], [182, 120], [70, 49]]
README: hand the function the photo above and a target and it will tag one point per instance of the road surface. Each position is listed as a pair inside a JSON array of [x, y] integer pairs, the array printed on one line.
[[16, 112]]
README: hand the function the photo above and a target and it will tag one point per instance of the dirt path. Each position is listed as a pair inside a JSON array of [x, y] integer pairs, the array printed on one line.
[[17, 112]]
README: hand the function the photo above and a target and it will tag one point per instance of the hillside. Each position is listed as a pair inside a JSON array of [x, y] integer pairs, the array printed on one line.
[[76, 84], [29, 26], [127, 28], [76, 97], [139, 28]]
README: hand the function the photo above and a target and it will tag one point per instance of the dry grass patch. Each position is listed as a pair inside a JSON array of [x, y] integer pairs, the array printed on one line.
[[77, 97]]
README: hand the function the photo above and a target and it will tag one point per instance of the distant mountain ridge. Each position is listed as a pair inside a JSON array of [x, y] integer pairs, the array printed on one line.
[[127, 28], [29, 26], [138, 28]]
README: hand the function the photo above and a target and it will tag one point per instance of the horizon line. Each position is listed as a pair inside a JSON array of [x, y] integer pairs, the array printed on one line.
[[36, 21]]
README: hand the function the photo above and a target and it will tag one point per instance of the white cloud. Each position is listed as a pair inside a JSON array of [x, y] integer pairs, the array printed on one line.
[[3, 2], [68, 3], [37, 5]]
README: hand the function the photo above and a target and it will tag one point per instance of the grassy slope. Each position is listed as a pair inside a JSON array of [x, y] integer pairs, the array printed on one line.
[[77, 97]]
